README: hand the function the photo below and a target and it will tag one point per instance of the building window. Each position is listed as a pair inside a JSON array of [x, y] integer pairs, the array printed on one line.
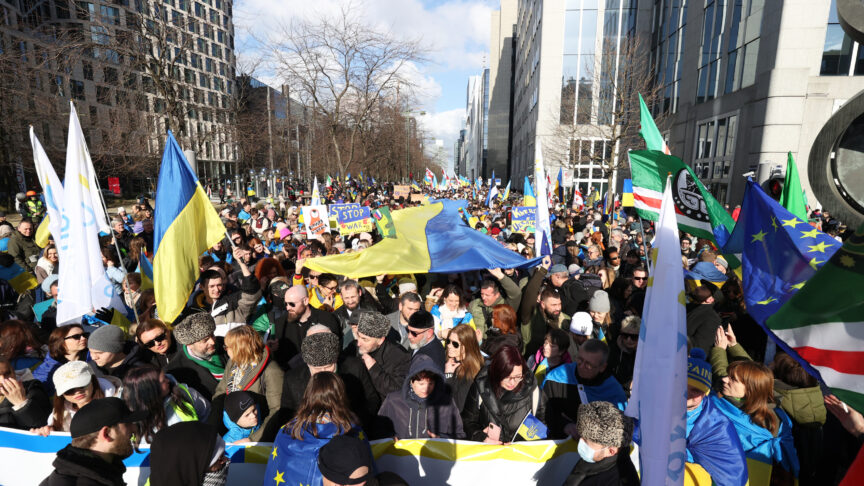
[[715, 149], [104, 95], [77, 90], [87, 69], [110, 15], [708, 73], [837, 52]]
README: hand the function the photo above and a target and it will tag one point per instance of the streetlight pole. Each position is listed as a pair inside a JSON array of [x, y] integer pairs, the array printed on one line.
[[270, 188]]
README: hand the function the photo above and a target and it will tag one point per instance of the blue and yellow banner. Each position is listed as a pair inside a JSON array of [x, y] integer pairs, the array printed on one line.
[[18, 278]]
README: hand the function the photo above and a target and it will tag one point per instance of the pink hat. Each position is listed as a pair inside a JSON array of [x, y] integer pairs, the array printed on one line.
[[284, 233]]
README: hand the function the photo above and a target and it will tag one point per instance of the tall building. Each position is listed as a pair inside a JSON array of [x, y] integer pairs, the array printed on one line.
[[477, 125], [459, 155], [502, 52], [133, 68], [747, 81], [565, 50]]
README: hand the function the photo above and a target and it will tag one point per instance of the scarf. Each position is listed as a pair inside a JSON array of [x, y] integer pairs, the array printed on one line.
[[217, 478], [215, 365]]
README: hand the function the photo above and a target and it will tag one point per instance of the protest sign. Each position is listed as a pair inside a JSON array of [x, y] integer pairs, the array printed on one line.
[[523, 217], [315, 220], [334, 208], [384, 222], [417, 197], [354, 220], [401, 191]]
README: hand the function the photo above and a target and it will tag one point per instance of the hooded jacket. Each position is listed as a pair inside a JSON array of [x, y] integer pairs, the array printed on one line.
[[406, 416], [81, 467], [483, 407], [264, 382]]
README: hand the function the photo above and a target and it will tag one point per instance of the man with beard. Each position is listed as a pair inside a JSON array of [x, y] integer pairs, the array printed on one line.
[[538, 315], [409, 303], [290, 328], [421, 338], [101, 439], [354, 299], [387, 362], [199, 362]]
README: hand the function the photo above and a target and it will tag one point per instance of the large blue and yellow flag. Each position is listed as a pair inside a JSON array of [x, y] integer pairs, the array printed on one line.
[[432, 238], [146, 269], [559, 184], [20, 280], [528, 198], [185, 226], [532, 428]]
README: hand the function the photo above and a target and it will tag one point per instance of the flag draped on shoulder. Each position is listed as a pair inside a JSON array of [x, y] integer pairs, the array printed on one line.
[[83, 286], [185, 226], [792, 198], [543, 237], [698, 212], [660, 373], [648, 130]]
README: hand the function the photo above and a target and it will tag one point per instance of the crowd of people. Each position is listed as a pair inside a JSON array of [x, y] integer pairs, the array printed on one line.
[[270, 350]]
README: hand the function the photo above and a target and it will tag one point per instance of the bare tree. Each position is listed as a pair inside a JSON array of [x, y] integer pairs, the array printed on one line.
[[343, 70], [612, 116]]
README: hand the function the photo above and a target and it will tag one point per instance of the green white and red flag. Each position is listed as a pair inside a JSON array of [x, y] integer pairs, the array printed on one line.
[[648, 130]]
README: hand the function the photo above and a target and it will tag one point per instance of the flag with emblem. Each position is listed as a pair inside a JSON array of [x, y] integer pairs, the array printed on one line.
[[532, 428], [823, 322], [697, 211]]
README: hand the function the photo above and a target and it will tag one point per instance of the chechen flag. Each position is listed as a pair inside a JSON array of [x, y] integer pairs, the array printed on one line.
[[824, 322], [648, 130]]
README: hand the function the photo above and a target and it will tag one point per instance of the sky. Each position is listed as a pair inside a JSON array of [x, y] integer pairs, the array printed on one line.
[[454, 33]]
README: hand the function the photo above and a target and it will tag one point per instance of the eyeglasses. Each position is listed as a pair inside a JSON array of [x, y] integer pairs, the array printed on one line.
[[587, 364], [77, 337], [449, 342], [416, 333], [513, 379], [333, 288], [154, 341], [639, 278], [630, 337]]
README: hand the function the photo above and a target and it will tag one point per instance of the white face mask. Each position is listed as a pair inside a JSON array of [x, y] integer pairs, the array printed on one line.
[[586, 452]]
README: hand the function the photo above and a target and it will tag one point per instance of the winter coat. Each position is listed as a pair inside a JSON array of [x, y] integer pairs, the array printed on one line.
[[81, 467], [617, 470], [397, 330], [234, 307], [621, 363], [391, 366], [433, 349], [235, 432], [191, 373], [160, 360], [24, 250], [511, 295], [564, 391], [34, 412], [495, 339], [702, 324], [483, 407], [362, 397], [534, 324], [131, 360], [264, 383], [290, 334], [406, 416]]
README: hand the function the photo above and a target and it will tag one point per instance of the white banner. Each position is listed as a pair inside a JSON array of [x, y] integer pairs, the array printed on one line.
[[51, 187]]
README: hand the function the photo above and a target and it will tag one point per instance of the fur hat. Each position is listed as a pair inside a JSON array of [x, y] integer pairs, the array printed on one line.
[[421, 320], [109, 339], [599, 302], [374, 325], [603, 423], [194, 328], [320, 349], [698, 370], [631, 325]]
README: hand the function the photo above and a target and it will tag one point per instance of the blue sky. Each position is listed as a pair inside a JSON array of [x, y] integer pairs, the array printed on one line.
[[454, 32]]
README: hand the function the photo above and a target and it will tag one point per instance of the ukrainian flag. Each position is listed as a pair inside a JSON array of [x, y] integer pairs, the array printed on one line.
[[146, 269], [532, 428], [18, 278], [415, 187], [431, 238], [185, 226], [528, 198]]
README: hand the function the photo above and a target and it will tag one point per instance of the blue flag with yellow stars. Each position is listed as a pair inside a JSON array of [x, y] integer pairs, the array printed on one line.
[[779, 252]]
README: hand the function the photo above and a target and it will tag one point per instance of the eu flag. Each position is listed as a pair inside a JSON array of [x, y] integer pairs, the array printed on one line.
[[780, 252], [532, 428]]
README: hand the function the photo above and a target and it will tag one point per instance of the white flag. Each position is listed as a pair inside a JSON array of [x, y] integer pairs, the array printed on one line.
[[543, 236], [316, 197], [659, 392], [51, 187], [83, 286]]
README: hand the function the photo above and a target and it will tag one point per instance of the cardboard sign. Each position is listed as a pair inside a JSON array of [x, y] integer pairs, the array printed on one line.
[[384, 222], [334, 208], [355, 220], [417, 197], [401, 191], [315, 220], [523, 219]]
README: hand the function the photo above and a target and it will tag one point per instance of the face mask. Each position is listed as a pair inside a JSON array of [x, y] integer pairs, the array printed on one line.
[[585, 451]]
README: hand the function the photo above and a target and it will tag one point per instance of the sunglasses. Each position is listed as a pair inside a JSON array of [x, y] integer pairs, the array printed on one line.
[[291, 304], [615, 258], [313, 277], [630, 337], [639, 278], [77, 337], [154, 341], [455, 344], [416, 333]]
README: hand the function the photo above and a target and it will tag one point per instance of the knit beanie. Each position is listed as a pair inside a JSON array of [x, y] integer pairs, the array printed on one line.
[[698, 370], [603, 423], [374, 325], [109, 339], [194, 328], [236, 404], [599, 302], [581, 324], [320, 349]]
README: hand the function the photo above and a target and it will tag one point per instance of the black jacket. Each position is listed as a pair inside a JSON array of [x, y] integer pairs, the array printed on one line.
[[160, 360], [702, 323], [617, 470], [482, 407], [406, 416], [435, 350], [621, 363], [290, 334], [81, 467], [132, 359], [33, 414], [363, 399], [391, 366], [184, 370]]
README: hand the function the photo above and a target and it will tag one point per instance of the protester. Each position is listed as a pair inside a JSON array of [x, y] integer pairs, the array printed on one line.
[[156, 342], [409, 303], [76, 386], [450, 311], [101, 438], [65, 344], [325, 296], [464, 362], [502, 395], [622, 350], [502, 331], [348, 460], [604, 437], [702, 319], [250, 368], [291, 327], [422, 339], [497, 291], [200, 362], [20, 347], [24, 403], [22, 248], [47, 264], [227, 307], [551, 355], [240, 417], [423, 408], [111, 354], [355, 299], [387, 362], [188, 454], [581, 329], [165, 401]]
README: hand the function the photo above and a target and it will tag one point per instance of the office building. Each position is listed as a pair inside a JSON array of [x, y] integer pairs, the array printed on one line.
[[476, 125]]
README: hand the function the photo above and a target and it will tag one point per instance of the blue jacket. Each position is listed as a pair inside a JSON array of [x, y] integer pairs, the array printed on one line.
[[235, 432], [712, 442], [758, 443], [296, 461]]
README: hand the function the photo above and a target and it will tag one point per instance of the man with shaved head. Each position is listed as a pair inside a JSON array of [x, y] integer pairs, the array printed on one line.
[[291, 327]]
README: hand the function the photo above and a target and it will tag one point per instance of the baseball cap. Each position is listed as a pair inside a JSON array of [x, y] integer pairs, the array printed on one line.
[[103, 412]]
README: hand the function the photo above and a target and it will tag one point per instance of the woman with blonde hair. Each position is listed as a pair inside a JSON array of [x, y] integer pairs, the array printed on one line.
[[251, 369]]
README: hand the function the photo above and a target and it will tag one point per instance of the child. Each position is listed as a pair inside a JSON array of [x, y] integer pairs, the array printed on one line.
[[240, 417]]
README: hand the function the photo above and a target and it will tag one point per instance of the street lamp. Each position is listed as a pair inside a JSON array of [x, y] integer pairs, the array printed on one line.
[[408, 117]]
